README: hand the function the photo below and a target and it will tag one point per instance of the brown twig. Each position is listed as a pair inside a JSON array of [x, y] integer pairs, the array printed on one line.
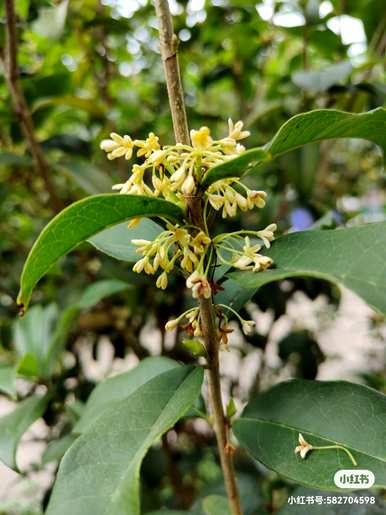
[[169, 44], [169, 47], [12, 77]]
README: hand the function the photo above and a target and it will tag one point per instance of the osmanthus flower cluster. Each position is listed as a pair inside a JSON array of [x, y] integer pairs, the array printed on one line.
[[175, 173]]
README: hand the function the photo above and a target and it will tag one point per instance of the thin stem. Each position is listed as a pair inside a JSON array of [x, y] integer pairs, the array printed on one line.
[[324, 447], [221, 426], [169, 44], [12, 77]]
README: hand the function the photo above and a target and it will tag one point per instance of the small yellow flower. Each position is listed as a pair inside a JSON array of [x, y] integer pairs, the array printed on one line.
[[188, 186], [250, 258], [148, 146], [199, 285], [162, 281], [267, 234], [235, 130], [247, 326], [118, 146], [172, 324], [201, 139], [256, 199], [303, 448]]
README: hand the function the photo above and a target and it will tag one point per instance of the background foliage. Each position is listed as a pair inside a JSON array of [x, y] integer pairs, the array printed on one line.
[[89, 68]]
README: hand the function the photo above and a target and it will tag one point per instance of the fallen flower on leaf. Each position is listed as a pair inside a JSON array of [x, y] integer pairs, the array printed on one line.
[[303, 448]]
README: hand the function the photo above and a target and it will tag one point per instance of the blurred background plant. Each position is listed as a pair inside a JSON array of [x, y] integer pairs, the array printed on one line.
[[89, 67]]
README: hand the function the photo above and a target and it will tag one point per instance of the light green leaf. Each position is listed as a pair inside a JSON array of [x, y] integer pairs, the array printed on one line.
[[92, 106], [353, 257], [307, 128], [97, 291], [100, 472], [326, 413], [215, 505], [57, 448], [32, 339], [321, 80], [8, 380], [211, 505], [80, 221], [15, 424], [90, 178], [117, 388], [358, 505], [28, 366], [116, 241]]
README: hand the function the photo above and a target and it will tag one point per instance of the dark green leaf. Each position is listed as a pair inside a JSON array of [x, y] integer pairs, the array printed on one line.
[[307, 128], [110, 453], [80, 221], [326, 413], [354, 257], [15, 424]]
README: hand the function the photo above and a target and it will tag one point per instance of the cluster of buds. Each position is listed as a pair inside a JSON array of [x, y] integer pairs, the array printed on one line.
[[176, 170], [248, 257], [194, 325], [222, 195], [171, 245]]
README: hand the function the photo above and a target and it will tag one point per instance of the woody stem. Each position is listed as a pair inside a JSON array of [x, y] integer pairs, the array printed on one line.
[[169, 47]]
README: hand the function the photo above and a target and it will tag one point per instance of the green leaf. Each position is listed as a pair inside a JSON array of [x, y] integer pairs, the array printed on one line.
[[305, 128], [211, 505], [117, 388], [97, 291], [321, 80], [11, 159], [215, 505], [353, 257], [100, 472], [116, 241], [32, 339], [28, 366], [90, 178], [93, 106], [57, 448], [8, 380], [326, 413], [236, 167], [358, 505], [15, 424], [196, 347], [80, 221]]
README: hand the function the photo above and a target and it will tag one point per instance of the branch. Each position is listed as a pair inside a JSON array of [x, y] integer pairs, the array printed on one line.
[[169, 43], [12, 77], [169, 48]]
